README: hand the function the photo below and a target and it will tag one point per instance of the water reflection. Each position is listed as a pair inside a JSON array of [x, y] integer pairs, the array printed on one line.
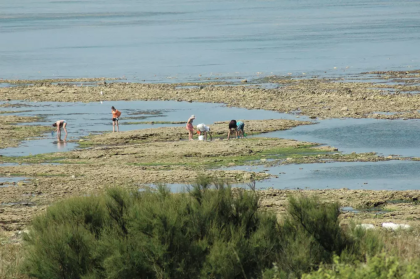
[[61, 144]]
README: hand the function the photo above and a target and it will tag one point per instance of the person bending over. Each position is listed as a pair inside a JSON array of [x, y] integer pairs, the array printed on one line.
[[204, 130], [232, 128], [60, 124], [240, 129]]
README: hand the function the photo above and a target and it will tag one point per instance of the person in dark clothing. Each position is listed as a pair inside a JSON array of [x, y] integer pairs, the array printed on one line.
[[232, 128]]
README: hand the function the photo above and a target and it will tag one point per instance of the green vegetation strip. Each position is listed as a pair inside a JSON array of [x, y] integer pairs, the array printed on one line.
[[240, 160]]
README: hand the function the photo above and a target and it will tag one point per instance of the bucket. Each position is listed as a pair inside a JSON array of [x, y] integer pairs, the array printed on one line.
[[200, 137]]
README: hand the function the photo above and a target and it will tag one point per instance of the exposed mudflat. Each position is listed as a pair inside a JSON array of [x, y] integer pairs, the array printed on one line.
[[316, 97], [218, 130], [11, 134], [136, 159], [135, 165]]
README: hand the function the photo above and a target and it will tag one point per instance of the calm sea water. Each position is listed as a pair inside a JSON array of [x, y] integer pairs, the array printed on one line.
[[171, 40]]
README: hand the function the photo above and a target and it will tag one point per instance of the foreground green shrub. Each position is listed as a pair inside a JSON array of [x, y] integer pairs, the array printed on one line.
[[378, 267], [61, 243], [310, 235], [209, 231], [203, 233]]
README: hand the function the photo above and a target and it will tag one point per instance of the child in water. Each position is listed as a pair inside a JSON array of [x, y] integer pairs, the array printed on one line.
[[115, 117]]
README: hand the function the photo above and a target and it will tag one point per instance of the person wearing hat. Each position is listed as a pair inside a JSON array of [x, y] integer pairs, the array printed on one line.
[[190, 127]]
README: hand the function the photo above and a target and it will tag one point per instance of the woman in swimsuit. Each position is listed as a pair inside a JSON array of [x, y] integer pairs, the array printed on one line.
[[60, 124], [190, 127]]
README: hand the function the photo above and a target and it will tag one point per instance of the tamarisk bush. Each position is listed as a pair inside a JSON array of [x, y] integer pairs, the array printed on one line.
[[209, 231]]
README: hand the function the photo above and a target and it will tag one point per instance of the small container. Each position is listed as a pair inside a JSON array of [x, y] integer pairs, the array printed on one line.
[[200, 137]]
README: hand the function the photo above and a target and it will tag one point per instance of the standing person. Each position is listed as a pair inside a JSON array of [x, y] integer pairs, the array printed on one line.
[[232, 128], [60, 124], [115, 117], [190, 127], [240, 129], [204, 130]]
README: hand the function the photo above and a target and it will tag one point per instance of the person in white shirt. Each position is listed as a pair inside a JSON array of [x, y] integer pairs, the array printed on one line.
[[204, 130]]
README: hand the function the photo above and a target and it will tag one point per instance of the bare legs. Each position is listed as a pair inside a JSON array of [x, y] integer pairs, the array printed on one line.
[[209, 133], [230, 131], [115, 123], [239, 133], [64, 126], [190, 134]]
